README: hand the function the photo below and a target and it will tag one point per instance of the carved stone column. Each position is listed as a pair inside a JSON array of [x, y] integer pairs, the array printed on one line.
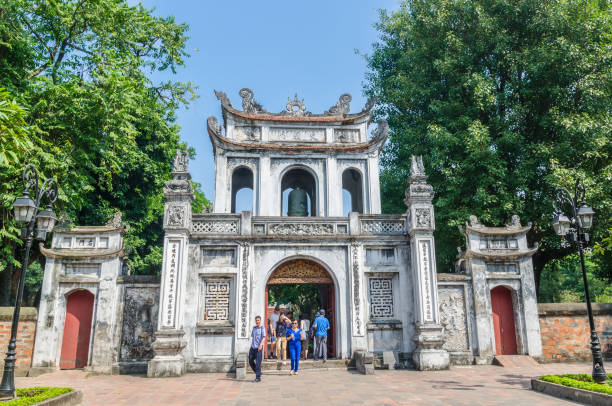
[[169, 341], [429, 336]]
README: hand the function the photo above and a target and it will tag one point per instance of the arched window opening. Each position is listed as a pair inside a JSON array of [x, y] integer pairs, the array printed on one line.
[[352, 192], [242, 190], [298, 193]]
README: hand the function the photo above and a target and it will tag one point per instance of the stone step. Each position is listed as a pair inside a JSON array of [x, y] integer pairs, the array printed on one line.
[[271, 366], [516, 361]]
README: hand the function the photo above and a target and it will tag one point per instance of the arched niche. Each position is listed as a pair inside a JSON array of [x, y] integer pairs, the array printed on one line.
[[242, 189], [306, 181], [352, 191]]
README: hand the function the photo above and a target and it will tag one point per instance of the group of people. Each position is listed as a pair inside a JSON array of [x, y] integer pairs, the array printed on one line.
[[286, 333]]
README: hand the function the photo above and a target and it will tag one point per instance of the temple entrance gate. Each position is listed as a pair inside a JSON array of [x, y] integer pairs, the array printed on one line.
[[306, 271]]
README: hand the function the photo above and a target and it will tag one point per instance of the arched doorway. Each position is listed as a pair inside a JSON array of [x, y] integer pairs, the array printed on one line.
[[77, 329], [242, 190], [352, 192], [306, 272], [503, 321]]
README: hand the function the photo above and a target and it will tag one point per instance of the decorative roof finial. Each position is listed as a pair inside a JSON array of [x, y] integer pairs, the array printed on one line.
[[474, 223], [369, 104], [181, 162], [222, 97], [515, 222], [417, 170], [295, 107], [381, 130], [249, 105], [343, 106]]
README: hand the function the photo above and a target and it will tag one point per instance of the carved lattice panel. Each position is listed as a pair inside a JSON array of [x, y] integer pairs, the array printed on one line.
[[215, 226], [216, 299], [381, 298], [299, 271], [394, 227]]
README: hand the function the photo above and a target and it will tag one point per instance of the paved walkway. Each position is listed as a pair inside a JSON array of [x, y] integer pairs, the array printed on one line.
[[469, 385]]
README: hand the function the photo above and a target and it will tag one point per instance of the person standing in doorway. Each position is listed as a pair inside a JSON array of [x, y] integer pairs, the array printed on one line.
[[281, 339], [305, 335], [312, 337], [295, 346], [258, 341], [272, 322], [320, 327]]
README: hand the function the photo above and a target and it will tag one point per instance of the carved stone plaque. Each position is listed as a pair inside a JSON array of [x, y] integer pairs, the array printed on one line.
[[453, 318], [247, 133], [140, 310], [346, 135], [297, 134]]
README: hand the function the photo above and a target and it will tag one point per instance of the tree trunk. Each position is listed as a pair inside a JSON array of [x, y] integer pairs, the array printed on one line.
[[6, 277]]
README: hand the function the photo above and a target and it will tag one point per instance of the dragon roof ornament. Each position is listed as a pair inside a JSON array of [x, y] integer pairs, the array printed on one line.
[[295, 107], [343, 107]]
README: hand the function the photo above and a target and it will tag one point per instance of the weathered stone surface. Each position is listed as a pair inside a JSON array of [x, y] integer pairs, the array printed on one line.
[[140, 312]]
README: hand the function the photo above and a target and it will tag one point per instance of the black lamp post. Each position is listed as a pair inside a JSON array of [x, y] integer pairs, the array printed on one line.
[[38, 224], [574, 229]]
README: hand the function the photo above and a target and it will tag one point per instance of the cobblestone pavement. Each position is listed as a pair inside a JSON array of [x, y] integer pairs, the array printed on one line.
[[468, 385]]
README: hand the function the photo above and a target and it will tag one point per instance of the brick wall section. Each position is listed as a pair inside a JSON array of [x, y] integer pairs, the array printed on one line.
[[25, 336], [565, 331]]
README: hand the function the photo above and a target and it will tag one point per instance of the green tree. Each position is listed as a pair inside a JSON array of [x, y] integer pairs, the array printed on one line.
[[97, 122], [505, 100], [562, 281]]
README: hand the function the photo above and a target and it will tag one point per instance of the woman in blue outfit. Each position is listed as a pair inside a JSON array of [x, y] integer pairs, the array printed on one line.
[[295, 346]]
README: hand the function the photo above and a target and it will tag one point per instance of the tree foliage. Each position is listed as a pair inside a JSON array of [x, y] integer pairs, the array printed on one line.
[[506, 100], [95, 120], [302, 298]]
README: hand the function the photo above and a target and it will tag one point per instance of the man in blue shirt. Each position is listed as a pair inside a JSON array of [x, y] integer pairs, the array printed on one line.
[[258, 337], [320, 327]]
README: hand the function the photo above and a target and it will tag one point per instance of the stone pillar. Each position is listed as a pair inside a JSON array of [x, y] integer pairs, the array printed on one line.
[[429, 336], [221, 182], [334, 188], [169, 341], [373, 190]]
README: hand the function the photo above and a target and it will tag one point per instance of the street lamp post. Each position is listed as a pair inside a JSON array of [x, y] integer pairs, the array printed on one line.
[[574, 230], [38, 224]]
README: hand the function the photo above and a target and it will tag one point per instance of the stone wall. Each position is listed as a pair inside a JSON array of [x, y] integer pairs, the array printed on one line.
[[25, 336], [140, 310], [565, 331]]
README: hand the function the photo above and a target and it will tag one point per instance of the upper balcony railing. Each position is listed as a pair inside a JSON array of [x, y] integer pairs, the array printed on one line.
[[245, 224]]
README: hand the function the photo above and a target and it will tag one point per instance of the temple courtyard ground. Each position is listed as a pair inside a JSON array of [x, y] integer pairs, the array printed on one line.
[[466, 385]]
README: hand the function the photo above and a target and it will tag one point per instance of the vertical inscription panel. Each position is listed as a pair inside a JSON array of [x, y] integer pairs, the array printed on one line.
[[424, 247], [172, 277]]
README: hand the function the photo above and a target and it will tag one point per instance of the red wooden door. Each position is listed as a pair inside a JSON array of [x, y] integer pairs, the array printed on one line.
[[503, 321], [77, 328]]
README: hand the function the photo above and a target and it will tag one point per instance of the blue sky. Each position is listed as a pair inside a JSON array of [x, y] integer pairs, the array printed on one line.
[[276, 48]]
